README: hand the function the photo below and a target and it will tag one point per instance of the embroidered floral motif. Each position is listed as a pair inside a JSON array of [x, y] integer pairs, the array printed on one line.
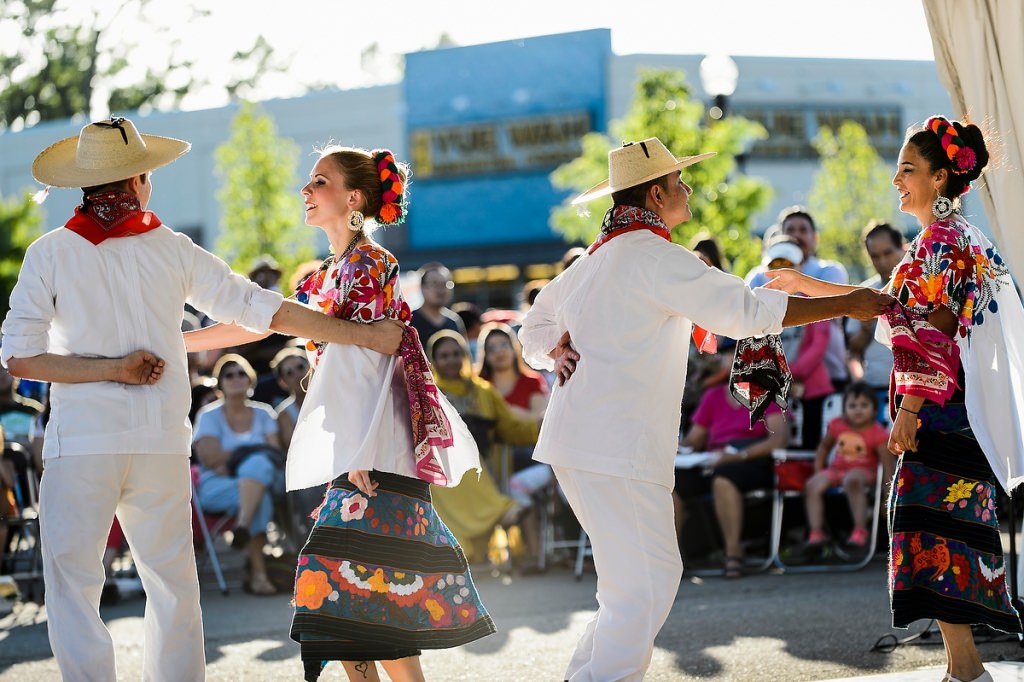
[[959, 491], [311, 588], [353, 508]]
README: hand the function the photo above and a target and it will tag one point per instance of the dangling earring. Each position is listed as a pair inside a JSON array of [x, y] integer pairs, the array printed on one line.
[[356, 220], [942, 207]]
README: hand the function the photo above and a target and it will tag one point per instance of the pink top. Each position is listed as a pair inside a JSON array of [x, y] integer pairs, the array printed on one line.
[[727, 421], [856, 448], [808, 367]]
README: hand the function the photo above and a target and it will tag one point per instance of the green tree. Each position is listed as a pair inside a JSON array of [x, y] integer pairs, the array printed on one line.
[[20, 224], [66, 58], [262, 210], [723, 202], [851, 188]]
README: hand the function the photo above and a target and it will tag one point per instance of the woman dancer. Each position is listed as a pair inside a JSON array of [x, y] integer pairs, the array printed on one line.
[[381, 577], [956, 429]]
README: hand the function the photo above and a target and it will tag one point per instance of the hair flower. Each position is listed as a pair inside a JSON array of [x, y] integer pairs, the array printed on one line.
[[965, 159]]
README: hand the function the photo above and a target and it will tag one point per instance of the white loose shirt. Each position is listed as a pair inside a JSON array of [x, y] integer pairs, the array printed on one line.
[[108, 300], [629, 308]]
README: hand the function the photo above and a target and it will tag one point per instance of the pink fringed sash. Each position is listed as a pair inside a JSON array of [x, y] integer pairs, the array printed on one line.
[[430, 426], [925, 361]]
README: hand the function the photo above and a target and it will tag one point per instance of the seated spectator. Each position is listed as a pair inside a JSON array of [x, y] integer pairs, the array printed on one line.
[[16, 411], [857, 443], [290, 367], [702, 369], [570, 256], [743, 459], [473, 509], [238, 446], [433, 315]]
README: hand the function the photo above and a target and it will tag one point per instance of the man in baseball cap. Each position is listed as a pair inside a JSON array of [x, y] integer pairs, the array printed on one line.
[[97, 311]]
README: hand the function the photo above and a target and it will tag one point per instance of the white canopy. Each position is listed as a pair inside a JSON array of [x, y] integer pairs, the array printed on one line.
[[979, 53]]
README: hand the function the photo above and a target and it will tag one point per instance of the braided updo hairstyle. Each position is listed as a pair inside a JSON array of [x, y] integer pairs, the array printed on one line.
[[959, 148], [381, 179]]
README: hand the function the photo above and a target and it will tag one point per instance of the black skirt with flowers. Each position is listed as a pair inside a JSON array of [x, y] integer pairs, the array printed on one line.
[[947, 560], [381, 578]]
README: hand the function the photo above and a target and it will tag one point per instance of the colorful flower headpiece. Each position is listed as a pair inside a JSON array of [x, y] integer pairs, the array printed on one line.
[[960, 155], [393, 194]]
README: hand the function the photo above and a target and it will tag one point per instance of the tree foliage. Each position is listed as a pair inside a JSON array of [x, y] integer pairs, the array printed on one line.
[[20, 224], [851, 188], [71, 59], [262, 212], [723, 202]]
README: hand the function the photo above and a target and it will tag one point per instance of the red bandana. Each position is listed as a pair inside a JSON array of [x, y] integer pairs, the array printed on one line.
[[111, 214]]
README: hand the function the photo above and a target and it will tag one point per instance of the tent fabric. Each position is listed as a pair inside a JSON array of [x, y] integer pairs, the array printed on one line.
[[979, 53]]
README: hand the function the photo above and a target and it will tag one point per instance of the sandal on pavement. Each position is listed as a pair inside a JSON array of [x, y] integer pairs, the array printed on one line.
[[733, 568], [259, 585]]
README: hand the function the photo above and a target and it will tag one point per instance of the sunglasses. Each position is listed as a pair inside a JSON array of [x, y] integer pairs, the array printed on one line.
[[779, 263]]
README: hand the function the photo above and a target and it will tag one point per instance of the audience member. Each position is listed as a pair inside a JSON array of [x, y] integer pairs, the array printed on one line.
[[872, 361], [16, 411], [570, 256], [291, 369], [501, 364], [267, 273], [472, 322], [707, 249], [856, 443], [743, 459], [796, 222], [805, 349], [702, 369], [473, 509], [433, 315], [235, 442]]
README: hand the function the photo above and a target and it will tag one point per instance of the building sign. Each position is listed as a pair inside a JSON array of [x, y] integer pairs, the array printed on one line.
[[791, 129], [489, 147]]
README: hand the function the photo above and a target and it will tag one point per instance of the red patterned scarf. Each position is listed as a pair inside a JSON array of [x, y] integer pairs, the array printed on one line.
[[109, 215], [620, 220], [760, 375], [430, 426]]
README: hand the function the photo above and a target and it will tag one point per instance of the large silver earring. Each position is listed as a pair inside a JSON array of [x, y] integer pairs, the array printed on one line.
[[942, 207], [356, 220]]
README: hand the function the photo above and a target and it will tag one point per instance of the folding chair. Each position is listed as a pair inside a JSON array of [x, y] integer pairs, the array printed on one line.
[[24, 561], [209, 527], [832, 408], [547, 504]]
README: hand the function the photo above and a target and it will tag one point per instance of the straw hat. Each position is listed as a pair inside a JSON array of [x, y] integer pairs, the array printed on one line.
[[635, 163], [105, 151]]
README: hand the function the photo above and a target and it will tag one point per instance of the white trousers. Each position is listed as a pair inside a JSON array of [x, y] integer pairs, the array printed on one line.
[[636, 554], [151, 495]]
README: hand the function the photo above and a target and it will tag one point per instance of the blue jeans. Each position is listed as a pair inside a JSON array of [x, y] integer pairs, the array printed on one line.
[[219, 494]]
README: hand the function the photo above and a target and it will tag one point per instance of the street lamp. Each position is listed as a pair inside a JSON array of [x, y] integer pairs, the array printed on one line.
[[718, 75]]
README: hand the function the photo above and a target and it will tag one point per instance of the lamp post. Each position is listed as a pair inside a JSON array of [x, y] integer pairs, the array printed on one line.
[[718, 76]]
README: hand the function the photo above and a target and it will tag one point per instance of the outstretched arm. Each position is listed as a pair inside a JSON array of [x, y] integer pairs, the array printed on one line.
[[295, 319], [795, 282], [140, 367], [861, 303]]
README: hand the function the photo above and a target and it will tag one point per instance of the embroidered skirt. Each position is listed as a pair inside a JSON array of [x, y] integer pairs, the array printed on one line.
[[381, 578], [946, 560]]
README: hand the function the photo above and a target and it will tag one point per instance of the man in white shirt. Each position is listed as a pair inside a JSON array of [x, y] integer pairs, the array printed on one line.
[[628, 308], [97, 311]]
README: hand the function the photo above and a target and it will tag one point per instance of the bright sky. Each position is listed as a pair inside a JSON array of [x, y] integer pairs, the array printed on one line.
[[322, 40]]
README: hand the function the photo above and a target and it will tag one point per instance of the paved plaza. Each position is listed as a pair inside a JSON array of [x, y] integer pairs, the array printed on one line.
[[760, 627]]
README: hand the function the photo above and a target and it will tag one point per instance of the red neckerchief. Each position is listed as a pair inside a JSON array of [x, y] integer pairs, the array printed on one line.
[[109, 215], [622, 219]]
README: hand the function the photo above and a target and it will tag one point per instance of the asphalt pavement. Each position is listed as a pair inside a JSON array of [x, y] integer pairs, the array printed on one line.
[[759, 627]]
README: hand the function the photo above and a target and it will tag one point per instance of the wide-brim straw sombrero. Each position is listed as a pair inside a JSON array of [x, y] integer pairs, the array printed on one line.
[[105, 151], [635, 163]]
